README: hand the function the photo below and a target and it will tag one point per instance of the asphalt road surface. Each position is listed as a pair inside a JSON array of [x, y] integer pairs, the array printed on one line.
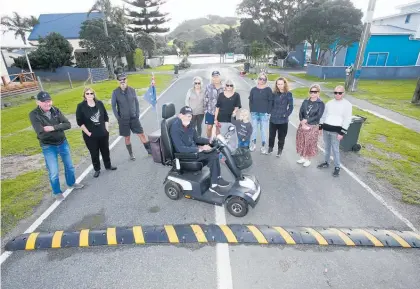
[[292, 196]]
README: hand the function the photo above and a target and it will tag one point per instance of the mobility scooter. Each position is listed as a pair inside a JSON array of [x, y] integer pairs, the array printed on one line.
[[188, 177]]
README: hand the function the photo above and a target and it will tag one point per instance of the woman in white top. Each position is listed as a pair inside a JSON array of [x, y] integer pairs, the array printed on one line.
[[195, 100]]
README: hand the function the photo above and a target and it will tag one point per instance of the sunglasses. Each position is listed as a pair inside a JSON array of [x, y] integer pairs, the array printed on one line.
[[89, 93], [263, 79], [314, 91], [338, 92], [197, 83], [229, 85], [122, 79]]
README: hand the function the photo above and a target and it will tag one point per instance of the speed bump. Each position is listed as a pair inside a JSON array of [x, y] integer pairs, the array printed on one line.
[[208, 234]]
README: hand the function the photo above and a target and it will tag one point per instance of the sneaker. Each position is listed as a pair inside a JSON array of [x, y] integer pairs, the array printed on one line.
[[336, 172], [279, 152], [307, 163], [301, 160], [111, 168], [216, 189], [96, 174], [59, 197], [222, 183], [77, 186], [252, 146], [263, 150], [270, 151], [132, 157], [323, 165]]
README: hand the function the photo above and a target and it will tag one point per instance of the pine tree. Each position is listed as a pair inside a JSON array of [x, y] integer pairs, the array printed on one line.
[[149, 18]]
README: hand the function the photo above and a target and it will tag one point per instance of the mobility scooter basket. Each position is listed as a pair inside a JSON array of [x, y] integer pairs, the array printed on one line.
[[243, 158]]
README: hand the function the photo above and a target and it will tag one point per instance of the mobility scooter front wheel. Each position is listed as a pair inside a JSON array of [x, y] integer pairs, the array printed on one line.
[[237, 207], [173, 190]]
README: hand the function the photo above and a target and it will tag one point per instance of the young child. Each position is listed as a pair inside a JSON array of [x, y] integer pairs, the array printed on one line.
[[243, 127]]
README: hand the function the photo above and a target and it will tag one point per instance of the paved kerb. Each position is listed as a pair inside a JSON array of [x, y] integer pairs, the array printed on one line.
[[207, 234]]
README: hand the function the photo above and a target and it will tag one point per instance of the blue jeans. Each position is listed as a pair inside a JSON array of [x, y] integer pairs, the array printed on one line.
[[331, 142], [259, 120], [243, 144], [51, 153]]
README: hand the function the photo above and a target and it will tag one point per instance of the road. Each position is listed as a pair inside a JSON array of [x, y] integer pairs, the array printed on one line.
[[292, 196]]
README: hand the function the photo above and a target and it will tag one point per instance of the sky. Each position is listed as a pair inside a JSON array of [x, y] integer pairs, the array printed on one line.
[[179, 10]]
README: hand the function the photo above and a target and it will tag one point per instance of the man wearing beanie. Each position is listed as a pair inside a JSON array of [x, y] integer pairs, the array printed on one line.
[[335, 122], [125, 106]]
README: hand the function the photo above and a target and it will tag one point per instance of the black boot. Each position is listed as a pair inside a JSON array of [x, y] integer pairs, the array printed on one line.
[[279, 152], [130, 152], [148, 148]]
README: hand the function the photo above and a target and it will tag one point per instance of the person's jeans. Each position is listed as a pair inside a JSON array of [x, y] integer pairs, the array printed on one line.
[[281, 131], [259, 120], [212, 161], [331, 142], [51, 153]]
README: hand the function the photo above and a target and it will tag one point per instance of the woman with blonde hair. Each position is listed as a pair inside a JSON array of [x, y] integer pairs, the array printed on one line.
[[281, 109], [227, 104], [310, 114], [213, 90], [92, 117], [195, 100]]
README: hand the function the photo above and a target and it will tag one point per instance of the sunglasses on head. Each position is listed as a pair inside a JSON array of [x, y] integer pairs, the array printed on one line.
[[89, 93], [197, 83], [229, 85], [314, 91], [338, 92]]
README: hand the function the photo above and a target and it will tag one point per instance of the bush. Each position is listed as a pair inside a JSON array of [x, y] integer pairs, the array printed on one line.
[[184, 64], [139, 58]]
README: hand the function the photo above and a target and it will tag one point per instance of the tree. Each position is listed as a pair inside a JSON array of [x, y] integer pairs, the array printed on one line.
[[53, 51], [117, 44], [249, 31], [147, 20], [338, 24], [416, 95], [273, 18], [139, 58], [146, 42], [19, 25]]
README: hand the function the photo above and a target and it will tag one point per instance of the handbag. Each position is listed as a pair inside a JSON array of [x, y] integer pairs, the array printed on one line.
[[242, 158]]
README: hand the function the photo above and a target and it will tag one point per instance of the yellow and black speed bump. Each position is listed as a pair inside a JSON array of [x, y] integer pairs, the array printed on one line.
[[207, 234]]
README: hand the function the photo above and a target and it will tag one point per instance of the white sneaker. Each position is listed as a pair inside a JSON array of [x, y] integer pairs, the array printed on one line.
[[307, 163], [263, 150], [301, 160], [252, 147]]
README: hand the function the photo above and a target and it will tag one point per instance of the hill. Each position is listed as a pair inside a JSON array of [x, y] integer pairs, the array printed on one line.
[[200, 28]]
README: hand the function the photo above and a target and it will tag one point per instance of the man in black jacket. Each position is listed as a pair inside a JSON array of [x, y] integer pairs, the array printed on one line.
[[125, 106], [49, 124], [185, 139]]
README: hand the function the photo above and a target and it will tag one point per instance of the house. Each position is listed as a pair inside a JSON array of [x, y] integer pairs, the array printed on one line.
[[67, 24], [394, 41]]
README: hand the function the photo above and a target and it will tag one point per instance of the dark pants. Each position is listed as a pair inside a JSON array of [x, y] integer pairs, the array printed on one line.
[[98, 145], [212, 161], [197, 122], [281, 131]]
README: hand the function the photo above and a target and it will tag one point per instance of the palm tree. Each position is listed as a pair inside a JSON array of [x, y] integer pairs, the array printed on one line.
[[19, 25]]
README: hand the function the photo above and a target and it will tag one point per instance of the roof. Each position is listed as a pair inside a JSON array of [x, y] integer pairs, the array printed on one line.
[[397, 15], [67, 24], [390, 30], [410, 4]]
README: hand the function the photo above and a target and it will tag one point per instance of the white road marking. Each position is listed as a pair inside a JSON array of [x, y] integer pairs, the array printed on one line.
[[224, 269], [51, 209], [370, 190]]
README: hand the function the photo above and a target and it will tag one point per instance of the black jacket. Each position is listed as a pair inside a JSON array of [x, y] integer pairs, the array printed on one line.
[[185, 139], [312, 111], [58, 121], [281, 108]]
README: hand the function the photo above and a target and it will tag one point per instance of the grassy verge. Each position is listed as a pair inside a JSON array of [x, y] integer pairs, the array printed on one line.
[[314, 78], [393, 151], [303, 92], [166, 67], [21, 194], [271, 76]]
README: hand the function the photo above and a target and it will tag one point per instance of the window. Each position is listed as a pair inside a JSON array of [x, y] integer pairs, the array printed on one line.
[[407, 19], [377, 59]]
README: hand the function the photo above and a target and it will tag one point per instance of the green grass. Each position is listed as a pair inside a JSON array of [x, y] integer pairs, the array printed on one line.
[[393, 150], [166, 67], [303, 93], [271, 76], [316, 79], [19, 196]]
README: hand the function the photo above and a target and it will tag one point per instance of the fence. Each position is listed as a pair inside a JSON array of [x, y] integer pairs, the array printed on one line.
[[368, 72]]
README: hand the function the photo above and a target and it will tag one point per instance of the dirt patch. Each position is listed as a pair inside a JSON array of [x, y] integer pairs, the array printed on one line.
[[377, 151], [382, 138], [13, 166]]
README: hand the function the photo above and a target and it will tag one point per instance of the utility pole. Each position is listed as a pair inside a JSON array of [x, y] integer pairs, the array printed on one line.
[[362, 45]]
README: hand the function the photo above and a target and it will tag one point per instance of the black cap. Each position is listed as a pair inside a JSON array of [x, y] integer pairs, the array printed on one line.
[[43, 96], [215, 73], [121, 75], [186, 110]]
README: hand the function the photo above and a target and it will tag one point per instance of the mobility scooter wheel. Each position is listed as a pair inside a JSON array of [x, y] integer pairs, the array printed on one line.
[[173, 190], [237, 207]]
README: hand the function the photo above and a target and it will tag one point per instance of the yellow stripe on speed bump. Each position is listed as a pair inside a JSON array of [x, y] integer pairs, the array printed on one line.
[[344, 237], [56, 241], [258, 235], [371, 238], [199, 234], [30, 243], [172, 236], [111, 236], [400, 240], [138, 235], [286, 236], [228, 234], [84, 238], [321, 240]]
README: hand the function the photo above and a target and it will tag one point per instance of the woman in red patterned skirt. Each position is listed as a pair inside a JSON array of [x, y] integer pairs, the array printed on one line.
[[308, 131]]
